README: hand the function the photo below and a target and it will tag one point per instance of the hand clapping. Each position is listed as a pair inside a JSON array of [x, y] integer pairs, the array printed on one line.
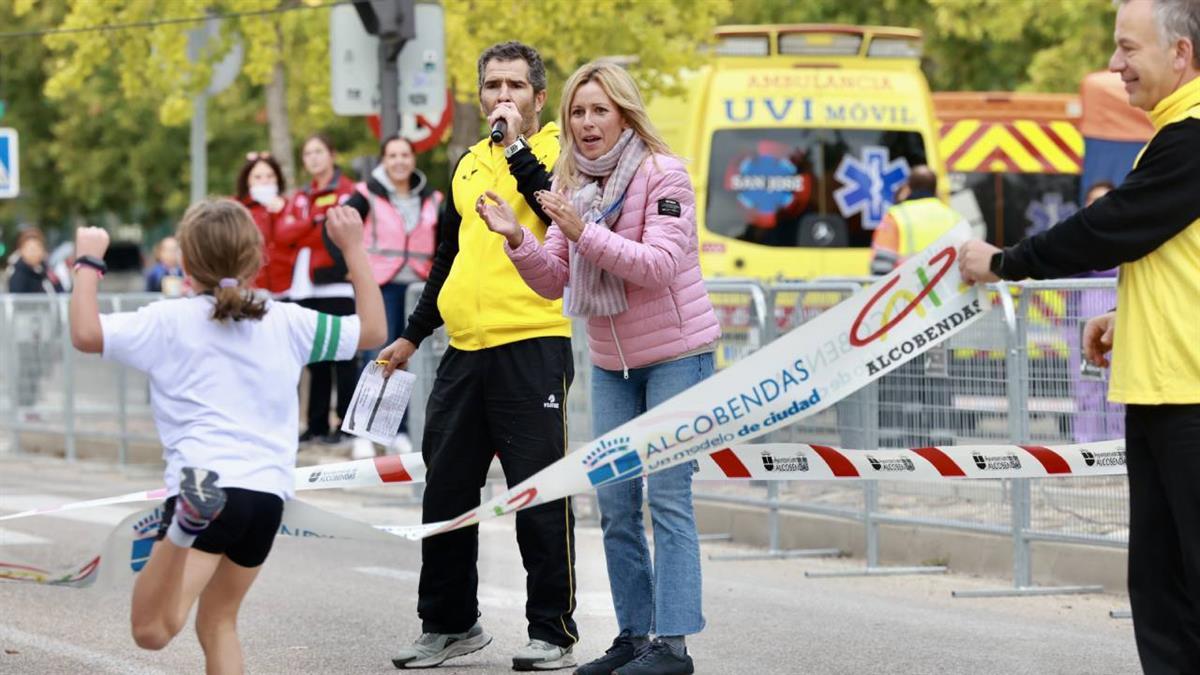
[[500, 218], [562, 212]]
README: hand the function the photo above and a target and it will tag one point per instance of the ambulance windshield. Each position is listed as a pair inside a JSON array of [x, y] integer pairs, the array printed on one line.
[[806, 187]]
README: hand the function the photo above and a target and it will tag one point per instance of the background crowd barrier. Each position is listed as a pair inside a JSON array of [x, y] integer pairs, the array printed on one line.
[[1015, 376]]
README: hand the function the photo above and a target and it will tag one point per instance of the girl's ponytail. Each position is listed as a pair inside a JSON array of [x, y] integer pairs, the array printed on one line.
[[222, 250], [235, 302]]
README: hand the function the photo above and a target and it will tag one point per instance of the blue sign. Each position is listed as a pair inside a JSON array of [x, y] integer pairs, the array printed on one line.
[[869, 184], [10, 174], [766, 183]]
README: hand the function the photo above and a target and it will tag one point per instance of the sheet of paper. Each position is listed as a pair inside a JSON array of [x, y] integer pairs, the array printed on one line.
[[378, 404]]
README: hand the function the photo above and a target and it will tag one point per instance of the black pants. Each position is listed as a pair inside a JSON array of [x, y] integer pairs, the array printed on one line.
[[322, 374], [511, 401], [1162, 445]]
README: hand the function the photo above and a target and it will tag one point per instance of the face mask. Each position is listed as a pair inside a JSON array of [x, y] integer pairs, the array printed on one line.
[[264, 194]]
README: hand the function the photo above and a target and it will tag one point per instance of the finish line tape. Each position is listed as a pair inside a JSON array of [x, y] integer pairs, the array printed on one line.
[[761, 461]]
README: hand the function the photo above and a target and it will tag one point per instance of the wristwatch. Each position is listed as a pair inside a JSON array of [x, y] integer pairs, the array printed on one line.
[[92, 262], [997, 263], [517, 146]]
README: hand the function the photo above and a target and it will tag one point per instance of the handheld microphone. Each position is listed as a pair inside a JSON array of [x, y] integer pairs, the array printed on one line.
[[499, 129]]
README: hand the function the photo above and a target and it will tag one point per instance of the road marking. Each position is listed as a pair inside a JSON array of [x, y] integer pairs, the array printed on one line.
[[390, 573], [92, 661]]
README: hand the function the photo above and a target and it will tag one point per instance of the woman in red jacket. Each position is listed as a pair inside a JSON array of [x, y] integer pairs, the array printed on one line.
[[260, 188], [331, 292]]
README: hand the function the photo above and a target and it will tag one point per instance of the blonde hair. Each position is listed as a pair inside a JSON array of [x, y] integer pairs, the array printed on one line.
[[219, 240], [619, 87]]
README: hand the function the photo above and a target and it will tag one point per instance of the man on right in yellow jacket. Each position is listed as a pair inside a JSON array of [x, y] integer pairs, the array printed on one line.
[[1150, 226]]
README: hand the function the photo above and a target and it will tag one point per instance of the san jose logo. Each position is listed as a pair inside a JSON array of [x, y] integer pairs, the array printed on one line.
[[1115, 458], [784, 464], [996, 462], [773, 179], [891, 464], [614, 460]]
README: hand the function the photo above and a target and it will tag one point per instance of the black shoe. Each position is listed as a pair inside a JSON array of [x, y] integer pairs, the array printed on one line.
[[309, 436], [335, 438], [658, 659], [620, 653]]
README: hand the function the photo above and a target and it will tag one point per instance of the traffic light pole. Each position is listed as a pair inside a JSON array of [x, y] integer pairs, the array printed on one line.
[[389, 86], [393, 21]]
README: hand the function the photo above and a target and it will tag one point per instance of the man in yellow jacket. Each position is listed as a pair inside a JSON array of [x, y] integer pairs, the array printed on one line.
[[501, 387], [1150, 226], [914, 222]]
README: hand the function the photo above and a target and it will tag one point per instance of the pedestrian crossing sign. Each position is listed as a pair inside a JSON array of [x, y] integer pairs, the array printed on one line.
[[9, 169]]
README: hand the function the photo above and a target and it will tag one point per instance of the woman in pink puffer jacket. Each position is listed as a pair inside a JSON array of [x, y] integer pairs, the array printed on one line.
[[623, 251]]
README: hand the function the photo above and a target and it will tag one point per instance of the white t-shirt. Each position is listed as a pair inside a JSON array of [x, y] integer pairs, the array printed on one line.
[[224, 394]]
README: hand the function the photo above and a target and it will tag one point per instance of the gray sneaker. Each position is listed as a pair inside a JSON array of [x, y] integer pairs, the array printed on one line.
[[541, 655], [432, 649]]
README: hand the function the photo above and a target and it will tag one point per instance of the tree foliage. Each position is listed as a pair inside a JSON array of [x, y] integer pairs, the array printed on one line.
[[661, 36], [103, 114], [117, 144], [980, 45]]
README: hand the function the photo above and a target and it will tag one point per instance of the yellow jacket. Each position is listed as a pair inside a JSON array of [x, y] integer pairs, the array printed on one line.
[[1155, 357], [484, 302]]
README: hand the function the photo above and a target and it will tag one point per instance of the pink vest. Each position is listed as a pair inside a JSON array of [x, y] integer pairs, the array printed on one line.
[[390, 246]]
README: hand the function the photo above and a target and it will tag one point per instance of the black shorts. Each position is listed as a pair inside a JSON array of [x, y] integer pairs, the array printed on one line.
[[245, 530]]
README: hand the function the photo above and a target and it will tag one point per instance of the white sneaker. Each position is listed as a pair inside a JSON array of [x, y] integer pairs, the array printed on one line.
[[541, 655], [402, 444], [432, 649], [363, 449]]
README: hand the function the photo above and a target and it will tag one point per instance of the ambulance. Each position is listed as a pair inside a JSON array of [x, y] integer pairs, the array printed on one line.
[[797, 137]]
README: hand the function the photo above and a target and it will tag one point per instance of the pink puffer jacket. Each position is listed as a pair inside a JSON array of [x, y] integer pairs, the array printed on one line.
[[655, 252]]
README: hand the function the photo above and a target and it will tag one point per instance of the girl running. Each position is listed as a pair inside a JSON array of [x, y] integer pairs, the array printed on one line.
[[223, 368]]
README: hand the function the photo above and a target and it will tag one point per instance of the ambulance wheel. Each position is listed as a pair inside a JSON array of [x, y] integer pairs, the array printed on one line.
[[823, 231]]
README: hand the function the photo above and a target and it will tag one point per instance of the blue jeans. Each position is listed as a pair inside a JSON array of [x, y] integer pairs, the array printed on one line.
[[664, 597]]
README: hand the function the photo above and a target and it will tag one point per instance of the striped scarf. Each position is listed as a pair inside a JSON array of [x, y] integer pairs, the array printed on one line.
[[594, 291]]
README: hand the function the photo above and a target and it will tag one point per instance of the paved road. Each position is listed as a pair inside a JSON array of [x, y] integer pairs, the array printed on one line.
[[344, 607]]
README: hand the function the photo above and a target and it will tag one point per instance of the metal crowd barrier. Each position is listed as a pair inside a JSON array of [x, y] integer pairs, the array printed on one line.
[[1014, 376]]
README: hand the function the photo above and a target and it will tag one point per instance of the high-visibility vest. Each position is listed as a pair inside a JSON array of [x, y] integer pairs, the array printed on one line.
[[920, 222], [390, 245]]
